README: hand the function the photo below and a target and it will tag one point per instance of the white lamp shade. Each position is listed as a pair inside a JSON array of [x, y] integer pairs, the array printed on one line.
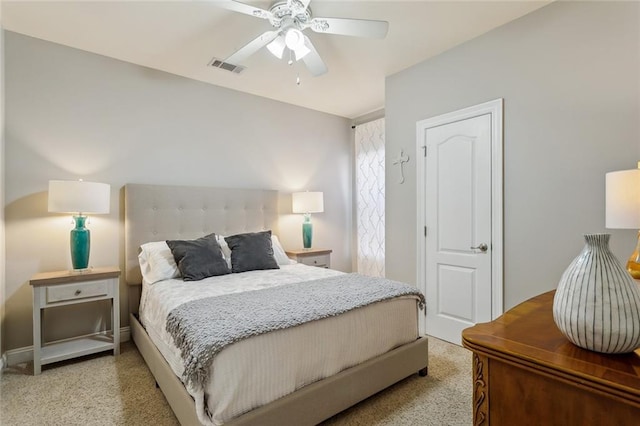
[[276, 47], [623, 199], [294, 38], [307, 202], [73, 196], [301, 52]]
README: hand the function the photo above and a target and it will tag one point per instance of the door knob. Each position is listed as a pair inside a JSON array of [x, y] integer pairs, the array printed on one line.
[[482, 247]]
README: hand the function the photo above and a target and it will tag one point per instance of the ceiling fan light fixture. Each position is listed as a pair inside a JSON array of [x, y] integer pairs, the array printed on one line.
[[301, 52], [276, 47], [294, 39]]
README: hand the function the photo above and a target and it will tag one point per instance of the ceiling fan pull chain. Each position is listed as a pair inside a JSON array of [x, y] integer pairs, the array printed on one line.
[[290, 58], [298, 79]]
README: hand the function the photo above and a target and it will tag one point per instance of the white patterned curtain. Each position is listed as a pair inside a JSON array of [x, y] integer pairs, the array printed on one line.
[[370, 197]]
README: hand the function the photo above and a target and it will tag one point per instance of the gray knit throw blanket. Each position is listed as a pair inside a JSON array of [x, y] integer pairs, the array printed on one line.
[[202, 328]]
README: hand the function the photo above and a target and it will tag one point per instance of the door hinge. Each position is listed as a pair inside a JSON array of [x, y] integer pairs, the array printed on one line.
[[425, 231], [424, 148]]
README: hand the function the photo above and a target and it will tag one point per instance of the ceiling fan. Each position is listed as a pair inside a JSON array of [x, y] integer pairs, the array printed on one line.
[[289, 19]]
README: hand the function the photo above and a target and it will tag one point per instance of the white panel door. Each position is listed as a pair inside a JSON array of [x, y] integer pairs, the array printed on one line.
[[458, 219]]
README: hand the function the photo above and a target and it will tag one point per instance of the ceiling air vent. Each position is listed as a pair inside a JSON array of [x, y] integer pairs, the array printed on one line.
[[219, 63]]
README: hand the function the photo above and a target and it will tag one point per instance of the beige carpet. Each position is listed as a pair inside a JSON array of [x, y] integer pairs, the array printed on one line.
[[107, 390]]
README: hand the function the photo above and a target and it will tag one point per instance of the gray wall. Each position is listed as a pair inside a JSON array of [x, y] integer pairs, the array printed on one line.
[[569, 74], [72, 114]]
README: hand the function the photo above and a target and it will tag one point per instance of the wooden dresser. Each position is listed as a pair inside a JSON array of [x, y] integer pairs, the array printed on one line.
[[525, 372]]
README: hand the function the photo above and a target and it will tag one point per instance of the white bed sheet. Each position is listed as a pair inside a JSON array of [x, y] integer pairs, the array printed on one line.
[[256, 371]]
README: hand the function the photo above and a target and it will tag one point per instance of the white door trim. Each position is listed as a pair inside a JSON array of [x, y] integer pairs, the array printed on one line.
[[494, 108]]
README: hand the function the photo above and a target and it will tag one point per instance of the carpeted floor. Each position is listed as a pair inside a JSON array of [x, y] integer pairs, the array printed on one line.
[[107, 390]]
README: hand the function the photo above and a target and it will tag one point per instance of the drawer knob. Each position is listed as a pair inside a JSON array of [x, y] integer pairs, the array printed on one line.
[[78, 292]]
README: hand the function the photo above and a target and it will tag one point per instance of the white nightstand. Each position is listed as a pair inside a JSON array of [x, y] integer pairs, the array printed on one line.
[[67, 288], [312, 257]]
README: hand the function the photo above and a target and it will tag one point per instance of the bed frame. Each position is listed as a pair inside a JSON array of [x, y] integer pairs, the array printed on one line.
[[160, 212]]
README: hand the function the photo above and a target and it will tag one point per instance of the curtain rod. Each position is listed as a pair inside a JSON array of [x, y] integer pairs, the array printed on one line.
[[372, 116]]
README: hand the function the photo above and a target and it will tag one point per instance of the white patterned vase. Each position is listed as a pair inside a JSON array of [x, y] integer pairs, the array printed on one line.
[[597, 303]]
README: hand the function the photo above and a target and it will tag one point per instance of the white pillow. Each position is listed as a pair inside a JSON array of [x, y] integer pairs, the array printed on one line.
[[226, 251], [278, 251], [157, 262]]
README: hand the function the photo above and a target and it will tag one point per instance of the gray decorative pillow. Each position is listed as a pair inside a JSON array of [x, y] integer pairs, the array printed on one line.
[[251, 251], [198, 259]]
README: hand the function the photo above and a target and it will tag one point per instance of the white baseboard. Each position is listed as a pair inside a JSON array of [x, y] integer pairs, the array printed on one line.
[[125, 334], [25, 354], [18, 356]]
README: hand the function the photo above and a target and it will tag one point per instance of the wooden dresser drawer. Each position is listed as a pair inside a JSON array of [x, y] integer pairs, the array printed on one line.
[[321, 261], [64, 292]]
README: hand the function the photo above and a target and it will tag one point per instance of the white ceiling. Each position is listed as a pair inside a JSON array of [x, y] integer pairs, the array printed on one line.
[[181, 37]]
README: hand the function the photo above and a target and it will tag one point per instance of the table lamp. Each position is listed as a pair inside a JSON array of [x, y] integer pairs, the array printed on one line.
[[79, 198], [623, 208], [307, 203]]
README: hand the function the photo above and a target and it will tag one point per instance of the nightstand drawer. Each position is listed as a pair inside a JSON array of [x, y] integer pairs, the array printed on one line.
[[65, 292], [320, 260]]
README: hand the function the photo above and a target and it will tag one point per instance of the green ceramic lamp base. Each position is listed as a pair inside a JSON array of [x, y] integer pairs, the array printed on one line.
[[80, 241], [307, 231]]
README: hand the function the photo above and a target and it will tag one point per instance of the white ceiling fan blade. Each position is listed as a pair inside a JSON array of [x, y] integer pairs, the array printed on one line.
[[252, 47], [312, 60], [350, 27], [304, 3], [247, 9]]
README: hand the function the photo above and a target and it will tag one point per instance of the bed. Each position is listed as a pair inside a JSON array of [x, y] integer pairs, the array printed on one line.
[[158, 213]]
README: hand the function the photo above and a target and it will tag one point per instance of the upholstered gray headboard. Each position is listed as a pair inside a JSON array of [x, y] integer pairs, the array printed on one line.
[[161, 212]]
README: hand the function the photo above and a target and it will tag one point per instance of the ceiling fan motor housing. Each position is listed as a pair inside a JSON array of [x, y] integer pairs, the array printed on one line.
[[296, 13]]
